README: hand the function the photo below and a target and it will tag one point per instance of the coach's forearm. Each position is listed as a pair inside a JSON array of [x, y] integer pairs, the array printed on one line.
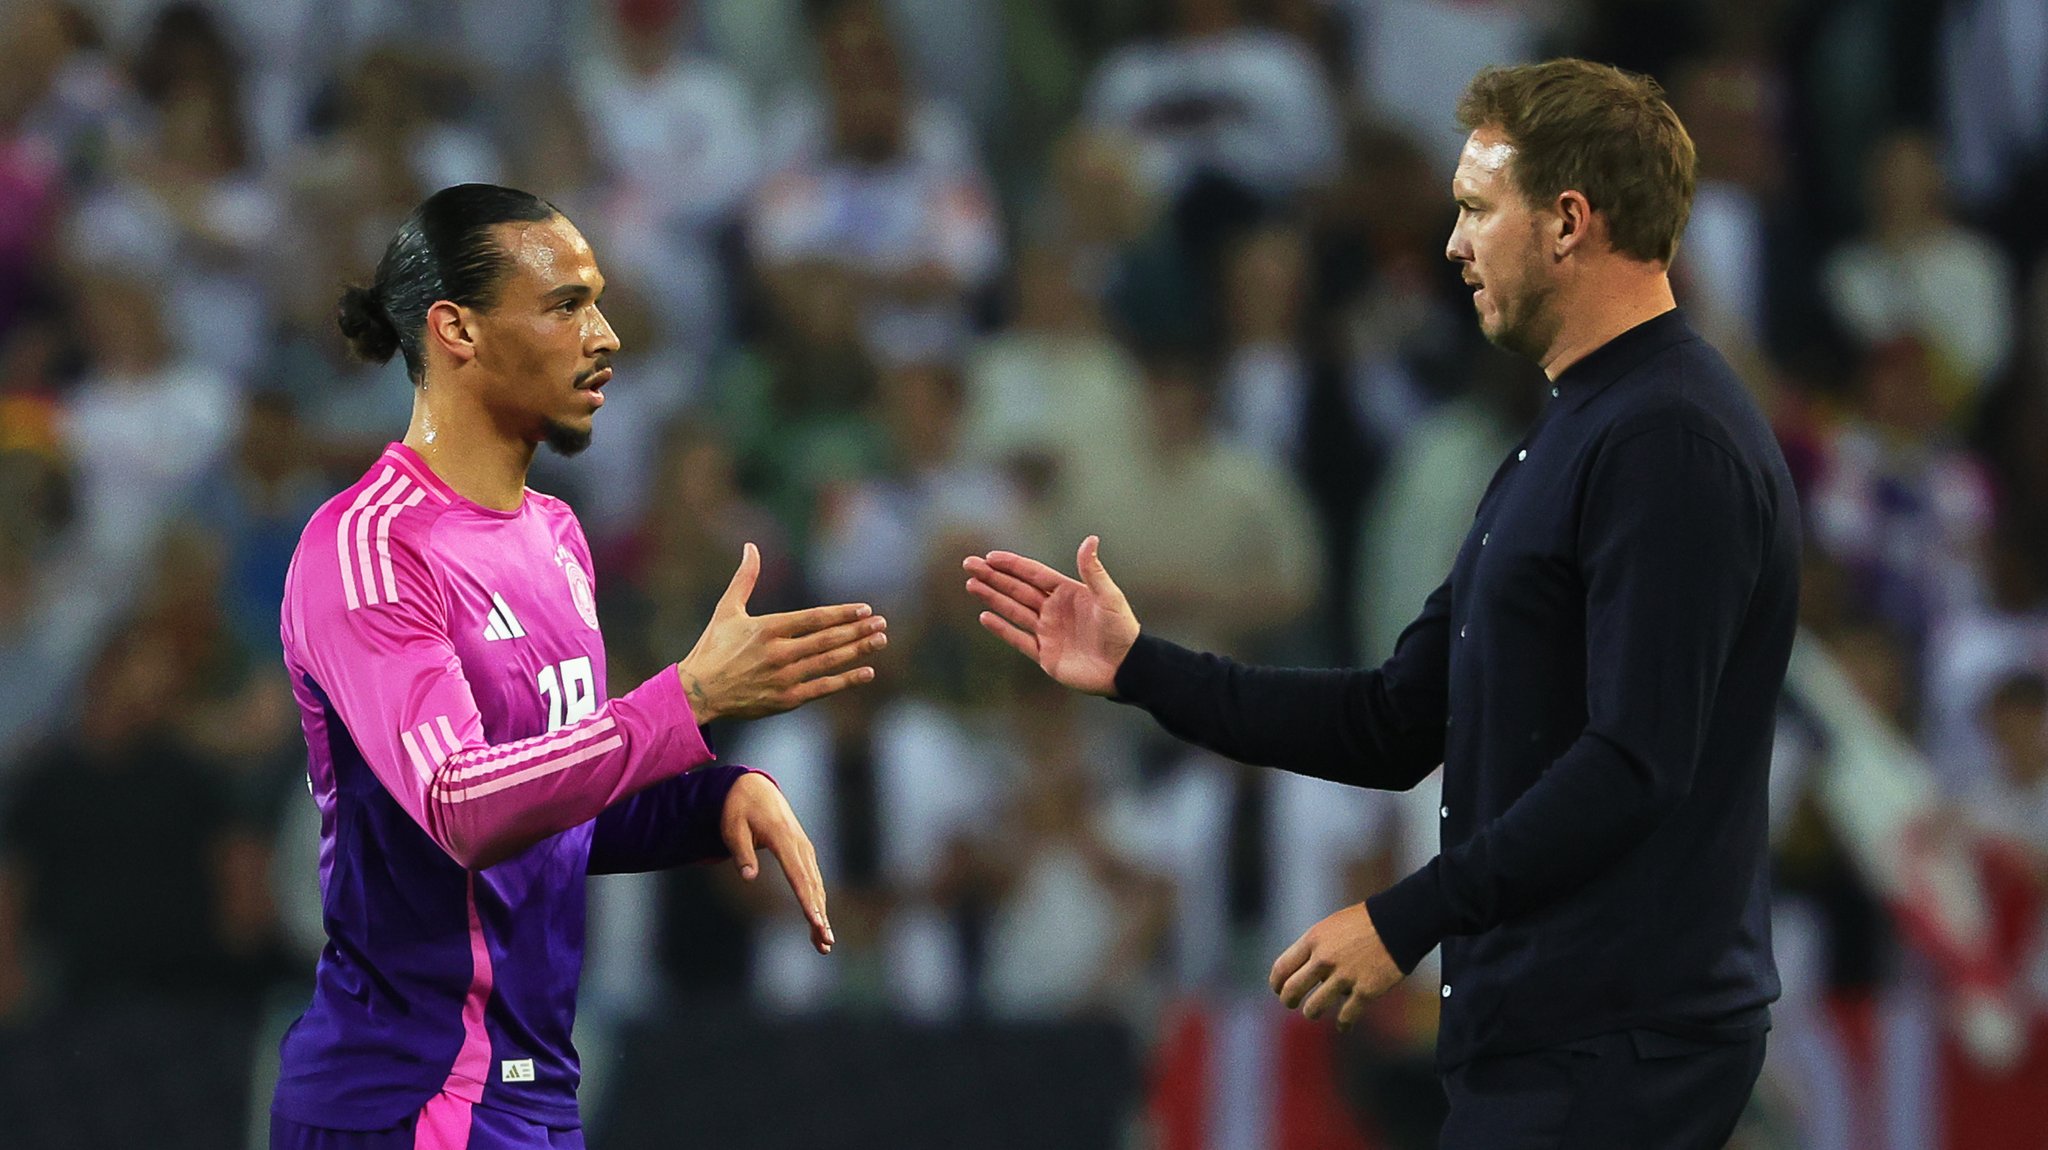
[[1342, 725], [1591, 808]]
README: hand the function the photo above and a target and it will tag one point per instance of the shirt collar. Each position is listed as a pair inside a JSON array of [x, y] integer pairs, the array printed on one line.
[[1619, 356]]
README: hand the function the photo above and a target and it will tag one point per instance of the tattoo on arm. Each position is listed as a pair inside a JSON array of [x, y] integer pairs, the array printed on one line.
[[693, 688]]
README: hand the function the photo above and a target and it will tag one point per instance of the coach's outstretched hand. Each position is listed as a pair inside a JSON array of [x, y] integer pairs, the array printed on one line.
[[1077, 631], [756, 816], [746, 666]]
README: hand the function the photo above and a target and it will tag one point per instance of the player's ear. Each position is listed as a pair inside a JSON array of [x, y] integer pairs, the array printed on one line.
[[452, 328]]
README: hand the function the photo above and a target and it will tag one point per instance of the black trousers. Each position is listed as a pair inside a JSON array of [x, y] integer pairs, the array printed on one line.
[[1635, 1090]]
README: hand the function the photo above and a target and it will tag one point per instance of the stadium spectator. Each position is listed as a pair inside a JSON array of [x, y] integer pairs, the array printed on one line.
[[1728, 102], [1410, 58], [1053, 383], [120, 851], [1123, 243], [1218, 542], [872, 530], [35, 464], [144, 426], [391, 131], [1212, 95], [1385, 313], [1077, 922], [890, 791], [677, 132], [1263, 404], [66, 102], [1918, 272], [1899, 503], [672, 566], [256, 504], [879, 188], [1995, 110]]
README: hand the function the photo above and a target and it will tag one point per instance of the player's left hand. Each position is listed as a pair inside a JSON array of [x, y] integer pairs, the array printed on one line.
[[757, 817], [1339, 962]]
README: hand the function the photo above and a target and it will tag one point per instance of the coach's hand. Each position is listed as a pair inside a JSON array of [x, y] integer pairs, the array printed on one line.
[[1077, 631], [746, 666], [1339, 962], [756, 816]]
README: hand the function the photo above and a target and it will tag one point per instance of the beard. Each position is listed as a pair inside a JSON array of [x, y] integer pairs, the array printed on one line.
[[1524, 324], [565, 440]]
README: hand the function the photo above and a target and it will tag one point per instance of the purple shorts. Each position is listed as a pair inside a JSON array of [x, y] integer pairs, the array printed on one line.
[[444, 1123]]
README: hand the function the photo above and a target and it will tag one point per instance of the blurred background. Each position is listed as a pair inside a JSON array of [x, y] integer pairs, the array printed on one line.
[[901, 279]]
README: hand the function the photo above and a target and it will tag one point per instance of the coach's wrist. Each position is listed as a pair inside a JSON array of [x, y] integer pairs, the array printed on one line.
[[1412, 916]]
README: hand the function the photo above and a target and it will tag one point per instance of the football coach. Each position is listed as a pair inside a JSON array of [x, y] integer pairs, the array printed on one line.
[[1597, 674]]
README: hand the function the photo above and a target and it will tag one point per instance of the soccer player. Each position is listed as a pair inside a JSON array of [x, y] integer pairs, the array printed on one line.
[[1598, 674], [469, 761]]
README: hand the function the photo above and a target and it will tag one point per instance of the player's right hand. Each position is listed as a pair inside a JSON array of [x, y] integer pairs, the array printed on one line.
[[1077, 631], [746, 666]]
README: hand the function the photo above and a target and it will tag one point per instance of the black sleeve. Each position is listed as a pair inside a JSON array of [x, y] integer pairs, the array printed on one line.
[[1670, 544], [1382, 728]]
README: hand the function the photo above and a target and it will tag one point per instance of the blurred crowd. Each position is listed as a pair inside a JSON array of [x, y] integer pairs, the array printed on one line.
[[897, 280]]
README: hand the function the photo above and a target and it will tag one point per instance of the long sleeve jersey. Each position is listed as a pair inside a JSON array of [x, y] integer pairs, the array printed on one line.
[[470, 769], [1598, 677]]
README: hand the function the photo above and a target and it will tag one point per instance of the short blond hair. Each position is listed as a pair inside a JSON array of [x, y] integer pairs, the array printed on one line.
[[1596, 129]]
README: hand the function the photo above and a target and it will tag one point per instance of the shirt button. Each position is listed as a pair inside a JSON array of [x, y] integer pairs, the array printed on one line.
[[1553, 393], [1447, 990], [1461, 632], [1486, 538], [1443, 812], [1521, 455]]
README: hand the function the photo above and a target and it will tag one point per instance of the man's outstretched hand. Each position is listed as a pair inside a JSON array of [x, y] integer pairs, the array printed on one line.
[[757, 818], [746, 666], [1077, 631]]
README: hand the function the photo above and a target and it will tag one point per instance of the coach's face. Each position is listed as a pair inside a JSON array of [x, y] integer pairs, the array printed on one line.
[[549, 346], [1498, 244]]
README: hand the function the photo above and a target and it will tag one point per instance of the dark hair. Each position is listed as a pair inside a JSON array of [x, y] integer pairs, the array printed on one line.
[[2022, 688], [443, 251], [184, 45], [1606, 133]]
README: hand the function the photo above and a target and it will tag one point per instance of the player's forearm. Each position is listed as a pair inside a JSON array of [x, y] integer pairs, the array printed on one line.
[[675, 823], [486, 804], [1342, 725]]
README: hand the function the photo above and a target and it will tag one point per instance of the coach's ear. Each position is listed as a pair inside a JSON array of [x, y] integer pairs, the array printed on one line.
[[1571, 223], [452, 328]]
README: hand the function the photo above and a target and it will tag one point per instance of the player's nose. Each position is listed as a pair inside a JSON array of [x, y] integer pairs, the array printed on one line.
[[601, 339]]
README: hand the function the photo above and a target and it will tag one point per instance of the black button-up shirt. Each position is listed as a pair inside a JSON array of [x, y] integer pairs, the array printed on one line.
[[1598, 676]]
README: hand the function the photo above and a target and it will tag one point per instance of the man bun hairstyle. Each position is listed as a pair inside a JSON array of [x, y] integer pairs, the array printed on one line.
[[366, 326], [1593, 128], [443, 251]]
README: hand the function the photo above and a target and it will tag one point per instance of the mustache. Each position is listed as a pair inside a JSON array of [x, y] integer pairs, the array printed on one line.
[[603, 363]]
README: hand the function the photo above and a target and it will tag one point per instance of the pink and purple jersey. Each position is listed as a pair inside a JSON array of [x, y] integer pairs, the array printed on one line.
[[470, 770]]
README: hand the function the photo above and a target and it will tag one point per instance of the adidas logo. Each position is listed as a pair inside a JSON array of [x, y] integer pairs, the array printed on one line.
[[504, 624]]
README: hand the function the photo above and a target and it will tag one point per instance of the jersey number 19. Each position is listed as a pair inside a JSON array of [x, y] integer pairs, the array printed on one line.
[[571, 691]]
